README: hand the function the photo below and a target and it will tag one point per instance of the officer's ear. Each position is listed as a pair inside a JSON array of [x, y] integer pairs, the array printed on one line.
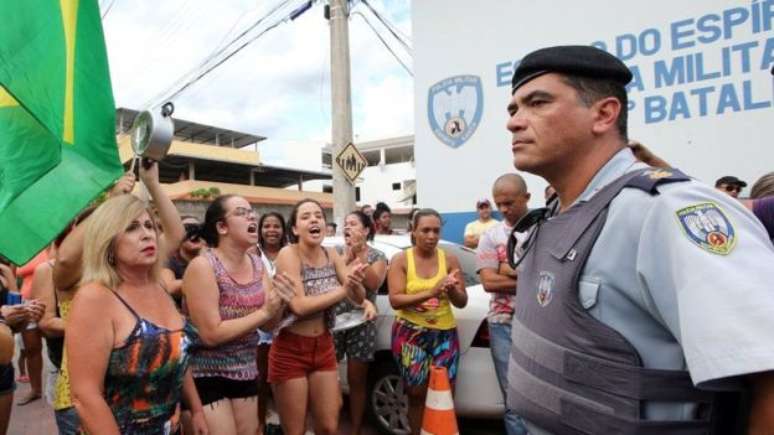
[[605, 115]]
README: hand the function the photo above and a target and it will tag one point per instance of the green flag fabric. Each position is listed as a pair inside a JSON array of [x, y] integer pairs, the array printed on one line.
[[57, 120]]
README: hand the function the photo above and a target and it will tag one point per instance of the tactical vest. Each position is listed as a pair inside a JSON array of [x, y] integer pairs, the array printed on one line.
[[569, 373]]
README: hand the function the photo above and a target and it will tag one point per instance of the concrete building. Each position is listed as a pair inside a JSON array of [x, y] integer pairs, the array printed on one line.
[[205, 161], [390, 176]]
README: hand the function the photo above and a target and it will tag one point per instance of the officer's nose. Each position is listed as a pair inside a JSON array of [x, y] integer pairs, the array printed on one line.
[[516, 122]]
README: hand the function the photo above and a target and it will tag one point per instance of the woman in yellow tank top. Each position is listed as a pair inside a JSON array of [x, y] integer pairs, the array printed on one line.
[[424, 283]]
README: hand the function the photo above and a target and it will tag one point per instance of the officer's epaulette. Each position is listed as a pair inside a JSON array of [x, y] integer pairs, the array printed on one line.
[[651, 178]]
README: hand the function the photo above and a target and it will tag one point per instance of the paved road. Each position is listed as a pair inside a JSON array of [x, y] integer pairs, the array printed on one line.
[[37, 418]]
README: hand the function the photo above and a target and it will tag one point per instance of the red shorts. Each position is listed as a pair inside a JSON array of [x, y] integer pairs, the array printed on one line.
[[296, 356]]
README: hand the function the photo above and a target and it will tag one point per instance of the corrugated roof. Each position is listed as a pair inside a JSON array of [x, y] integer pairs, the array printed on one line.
[[193, 131]]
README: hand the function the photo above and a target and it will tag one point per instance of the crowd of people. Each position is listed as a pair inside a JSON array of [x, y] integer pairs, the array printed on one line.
[[608, 306], [157, 323]]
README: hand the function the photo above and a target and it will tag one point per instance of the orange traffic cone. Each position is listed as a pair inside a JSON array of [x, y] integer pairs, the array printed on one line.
[[439, 418]]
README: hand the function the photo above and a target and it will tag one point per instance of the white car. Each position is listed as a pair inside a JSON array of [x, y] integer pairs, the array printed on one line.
[[477, 393]]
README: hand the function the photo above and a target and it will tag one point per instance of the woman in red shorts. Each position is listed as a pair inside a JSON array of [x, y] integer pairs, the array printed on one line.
[[302, 359]]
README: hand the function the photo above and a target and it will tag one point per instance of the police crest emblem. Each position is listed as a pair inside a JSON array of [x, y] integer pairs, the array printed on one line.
[[708, 227], [545, 290], [454, 108]]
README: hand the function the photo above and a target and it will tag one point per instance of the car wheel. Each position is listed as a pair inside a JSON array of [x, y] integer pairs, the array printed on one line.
[[388, 403]]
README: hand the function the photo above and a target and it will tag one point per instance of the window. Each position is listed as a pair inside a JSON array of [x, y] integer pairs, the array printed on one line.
[[357, 194], [395, 186]]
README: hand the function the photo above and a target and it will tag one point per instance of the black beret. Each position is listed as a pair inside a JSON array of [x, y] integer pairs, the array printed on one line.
[[579, 60]]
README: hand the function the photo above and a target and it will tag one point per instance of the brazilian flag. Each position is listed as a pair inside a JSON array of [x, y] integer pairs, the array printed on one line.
[[57, 119]]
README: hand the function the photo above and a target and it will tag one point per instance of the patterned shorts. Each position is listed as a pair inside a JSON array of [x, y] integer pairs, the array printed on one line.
[[357, 343], [416, 348]]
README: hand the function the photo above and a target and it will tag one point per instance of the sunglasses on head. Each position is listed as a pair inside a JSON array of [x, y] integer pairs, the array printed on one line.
[[193, 232]]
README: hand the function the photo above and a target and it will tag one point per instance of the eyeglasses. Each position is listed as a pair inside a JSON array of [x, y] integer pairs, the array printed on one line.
[[532, 221], [241, 212], [192, 232], [731, 188]]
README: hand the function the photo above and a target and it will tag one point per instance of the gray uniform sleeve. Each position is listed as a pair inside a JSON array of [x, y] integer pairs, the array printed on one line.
[[707, 267]]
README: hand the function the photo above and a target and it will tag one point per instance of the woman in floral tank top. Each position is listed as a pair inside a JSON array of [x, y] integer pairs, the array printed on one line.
[[229, 295], [126, 344]]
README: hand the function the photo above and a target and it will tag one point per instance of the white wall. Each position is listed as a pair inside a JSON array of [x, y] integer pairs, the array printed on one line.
[[462, 37], [377, 182]]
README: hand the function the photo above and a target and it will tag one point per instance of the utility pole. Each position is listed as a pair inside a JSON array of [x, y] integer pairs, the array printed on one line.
[[341, 105]]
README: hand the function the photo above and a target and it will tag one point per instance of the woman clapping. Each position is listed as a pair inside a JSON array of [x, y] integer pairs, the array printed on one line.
[[229, 295], [302, 359]]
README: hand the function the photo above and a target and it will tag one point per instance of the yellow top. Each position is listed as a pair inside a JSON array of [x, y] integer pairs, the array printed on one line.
[[434, 313], [62, 397], [477, 228]]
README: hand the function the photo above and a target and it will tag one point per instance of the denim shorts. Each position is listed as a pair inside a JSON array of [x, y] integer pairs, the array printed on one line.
[[67, 421]]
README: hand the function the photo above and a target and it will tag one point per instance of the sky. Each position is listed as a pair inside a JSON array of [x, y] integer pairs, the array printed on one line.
[[278, 86]]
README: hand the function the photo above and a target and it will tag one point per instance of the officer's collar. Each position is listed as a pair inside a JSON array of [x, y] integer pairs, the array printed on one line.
[[622, 162]]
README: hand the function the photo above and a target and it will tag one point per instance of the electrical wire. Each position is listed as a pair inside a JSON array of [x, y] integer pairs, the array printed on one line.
[[386, 45], [392, 28], [160, 97], [107, 10], [221, 62]]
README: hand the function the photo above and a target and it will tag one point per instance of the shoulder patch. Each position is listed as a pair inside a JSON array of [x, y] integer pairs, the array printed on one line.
[[707, 226], [649, 179]]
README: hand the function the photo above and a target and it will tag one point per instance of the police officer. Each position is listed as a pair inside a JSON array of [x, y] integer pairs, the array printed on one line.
[[643, 294]]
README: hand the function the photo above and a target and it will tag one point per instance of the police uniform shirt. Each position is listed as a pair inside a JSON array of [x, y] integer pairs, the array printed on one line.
[[682, 304]]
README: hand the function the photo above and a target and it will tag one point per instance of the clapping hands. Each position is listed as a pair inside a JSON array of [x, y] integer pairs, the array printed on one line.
[[282, 291], [356, 244], [355, 276], [447, 284]]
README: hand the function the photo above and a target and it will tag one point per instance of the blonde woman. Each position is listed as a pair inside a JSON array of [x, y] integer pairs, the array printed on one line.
[[67, 273], [126, 344]]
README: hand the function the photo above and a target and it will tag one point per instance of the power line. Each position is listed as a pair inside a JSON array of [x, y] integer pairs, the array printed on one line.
[[387, 46], [160, 97], [392, 28], [110, 6], [221, 62]]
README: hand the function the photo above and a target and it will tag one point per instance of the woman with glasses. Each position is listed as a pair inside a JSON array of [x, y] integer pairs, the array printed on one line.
[[424, 283], [229, 296]]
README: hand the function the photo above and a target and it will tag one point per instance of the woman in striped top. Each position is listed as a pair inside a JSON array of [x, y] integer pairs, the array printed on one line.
[[229, 295]]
